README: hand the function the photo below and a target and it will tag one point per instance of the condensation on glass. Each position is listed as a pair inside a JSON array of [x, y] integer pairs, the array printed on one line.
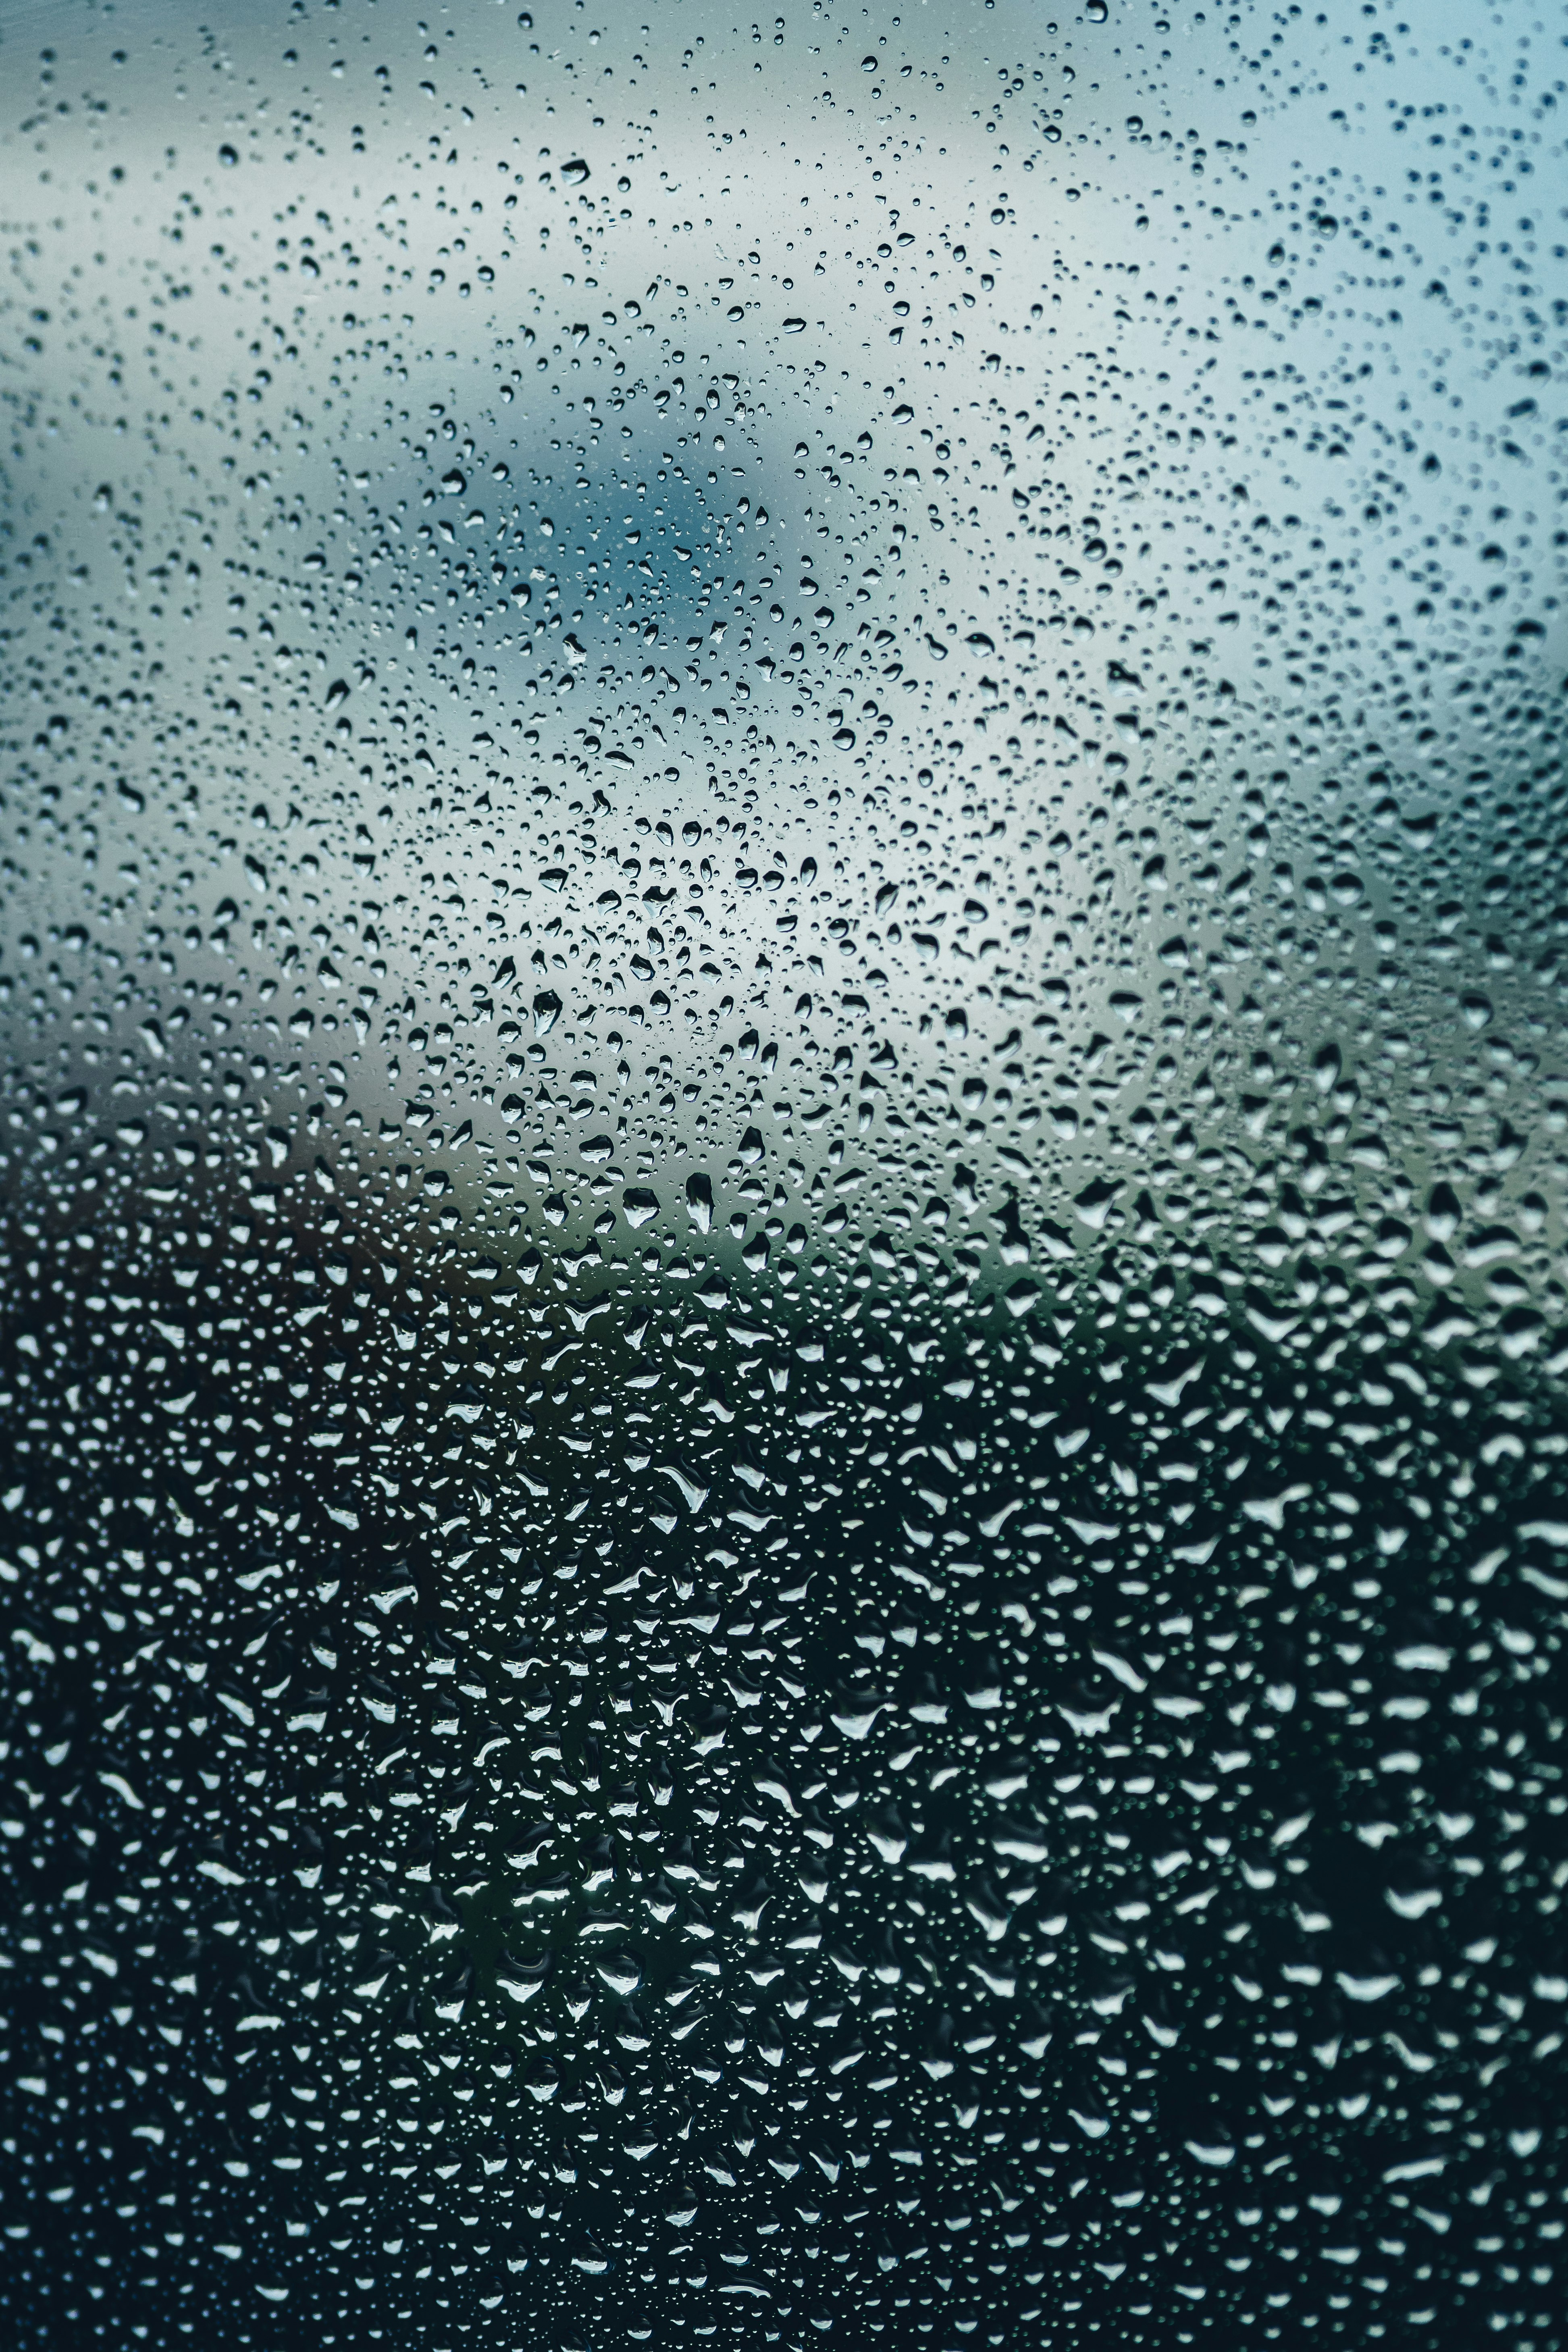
[[784, 1081]]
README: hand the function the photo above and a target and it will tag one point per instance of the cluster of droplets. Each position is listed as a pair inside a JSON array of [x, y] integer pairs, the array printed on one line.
[[981, 1829], [782, 1538]]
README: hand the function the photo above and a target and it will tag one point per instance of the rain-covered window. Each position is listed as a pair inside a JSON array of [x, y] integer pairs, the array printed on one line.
[[783, 1537]]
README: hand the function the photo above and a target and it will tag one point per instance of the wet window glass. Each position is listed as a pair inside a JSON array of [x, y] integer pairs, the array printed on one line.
[[783, 1538]]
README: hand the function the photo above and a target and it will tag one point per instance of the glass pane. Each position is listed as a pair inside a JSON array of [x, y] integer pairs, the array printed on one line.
[[783, 1540]]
